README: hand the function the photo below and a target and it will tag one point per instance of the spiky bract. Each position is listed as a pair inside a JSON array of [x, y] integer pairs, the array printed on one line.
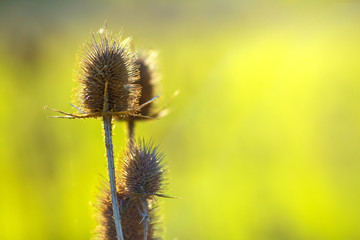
[[142, 172], [107, 74]]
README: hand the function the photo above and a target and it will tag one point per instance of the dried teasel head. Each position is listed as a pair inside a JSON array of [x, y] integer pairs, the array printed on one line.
[[141, 180], [143, 171], [107, 74], [148, 80], [132, 218]]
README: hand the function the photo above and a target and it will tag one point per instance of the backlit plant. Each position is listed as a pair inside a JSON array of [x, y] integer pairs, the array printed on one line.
[[114, 83]]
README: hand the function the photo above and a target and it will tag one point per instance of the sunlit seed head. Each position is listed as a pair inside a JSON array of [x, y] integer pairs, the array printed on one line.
[[143, 170], [148, 79], [130, 217], [107, 73]]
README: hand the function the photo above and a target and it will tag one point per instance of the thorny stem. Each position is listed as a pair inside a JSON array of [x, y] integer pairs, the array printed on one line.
[[145, 215], [110, 157]]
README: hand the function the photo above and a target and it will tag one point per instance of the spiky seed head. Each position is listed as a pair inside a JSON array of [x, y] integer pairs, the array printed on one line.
[[131, 218], [143, 170], [148, 79], [141, 179], [107, 73], [149, 82]]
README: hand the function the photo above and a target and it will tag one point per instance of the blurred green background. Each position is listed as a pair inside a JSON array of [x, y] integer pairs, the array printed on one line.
[[263, 142]]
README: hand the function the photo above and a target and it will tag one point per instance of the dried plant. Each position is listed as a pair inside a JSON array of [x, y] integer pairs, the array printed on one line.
[[112, 83], [141, 180], [148, 80], [107, 74]]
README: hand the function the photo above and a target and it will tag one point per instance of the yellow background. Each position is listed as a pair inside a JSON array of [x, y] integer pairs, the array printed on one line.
[[263, 142]]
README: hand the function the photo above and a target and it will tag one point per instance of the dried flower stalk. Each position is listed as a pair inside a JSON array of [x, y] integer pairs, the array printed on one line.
[[141, 181], [107, 74]]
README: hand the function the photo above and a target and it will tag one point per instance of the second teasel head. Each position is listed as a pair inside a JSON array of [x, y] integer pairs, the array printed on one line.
[[131, 218], [107, 73], [148, 80], [143, 170]]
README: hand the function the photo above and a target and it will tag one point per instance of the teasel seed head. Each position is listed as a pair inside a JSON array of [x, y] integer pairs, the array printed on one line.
[[141, 179], [131, 218], [149, 78], [143, 170], [107, 73]]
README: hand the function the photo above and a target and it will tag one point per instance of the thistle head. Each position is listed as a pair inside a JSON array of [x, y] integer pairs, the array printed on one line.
[[143, 170], [107, 73]]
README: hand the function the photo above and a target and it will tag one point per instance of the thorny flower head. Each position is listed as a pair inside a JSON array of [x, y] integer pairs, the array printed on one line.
[[143, 170], [142, 179], [108, 75]]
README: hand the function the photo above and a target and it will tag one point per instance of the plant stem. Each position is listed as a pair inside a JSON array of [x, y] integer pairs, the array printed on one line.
[[110, 157], [131, 126], [146, 217]]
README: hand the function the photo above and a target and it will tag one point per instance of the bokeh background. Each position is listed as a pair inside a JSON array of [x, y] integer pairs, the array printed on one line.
[[262, 143]]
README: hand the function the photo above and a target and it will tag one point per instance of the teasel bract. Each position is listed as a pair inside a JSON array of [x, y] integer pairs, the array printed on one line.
[[142, 179]]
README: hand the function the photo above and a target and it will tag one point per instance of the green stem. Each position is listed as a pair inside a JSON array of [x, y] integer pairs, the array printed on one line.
[[110, 157]]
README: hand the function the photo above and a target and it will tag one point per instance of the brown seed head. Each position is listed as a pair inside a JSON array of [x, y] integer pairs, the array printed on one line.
[[133, 228], [143, 171], [107, 75], [148, 80], [141, 180]]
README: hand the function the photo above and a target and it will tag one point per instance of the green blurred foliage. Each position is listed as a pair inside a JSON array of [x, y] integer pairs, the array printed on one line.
[[262, 142]]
